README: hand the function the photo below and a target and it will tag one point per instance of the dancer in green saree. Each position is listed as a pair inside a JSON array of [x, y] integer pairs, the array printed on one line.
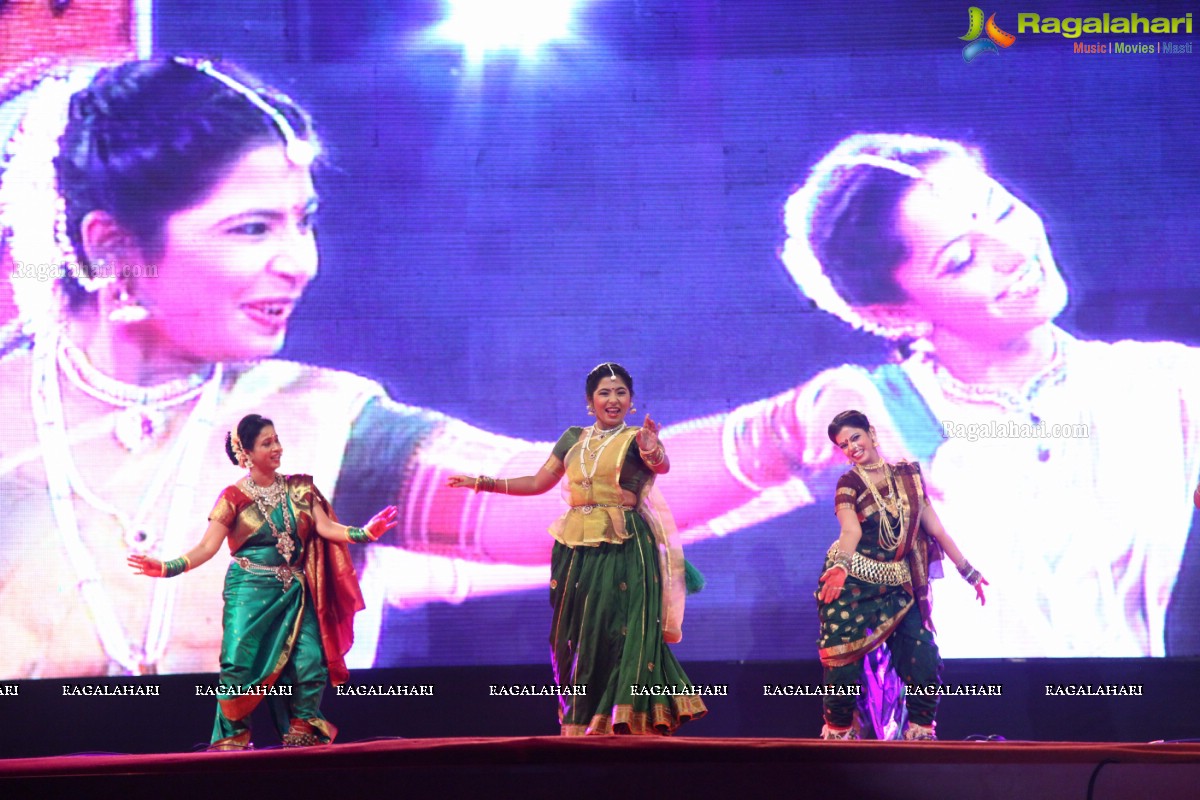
[[290, 592], [617, 580], [875, 587]]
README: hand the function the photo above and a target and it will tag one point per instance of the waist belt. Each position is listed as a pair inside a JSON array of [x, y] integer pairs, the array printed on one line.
[[284, 573], [592, 507], [883, 573]]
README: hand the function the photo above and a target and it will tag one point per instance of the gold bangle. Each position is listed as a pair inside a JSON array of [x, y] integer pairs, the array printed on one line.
[[654, 457]]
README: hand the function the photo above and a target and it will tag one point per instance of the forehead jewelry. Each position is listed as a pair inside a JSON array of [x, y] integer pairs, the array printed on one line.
[[298, 151], [609, 366]]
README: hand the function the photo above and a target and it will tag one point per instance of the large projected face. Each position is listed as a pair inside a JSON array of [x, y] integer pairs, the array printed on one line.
[[978, 262], [249, 244], [494, 223]]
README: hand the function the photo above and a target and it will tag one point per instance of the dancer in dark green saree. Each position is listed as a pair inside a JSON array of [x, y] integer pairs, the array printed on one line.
[[617, 580], [290, 592], [875, 587]]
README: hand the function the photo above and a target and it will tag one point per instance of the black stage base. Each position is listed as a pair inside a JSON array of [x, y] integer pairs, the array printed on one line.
[[1058, 729], [612, 766]]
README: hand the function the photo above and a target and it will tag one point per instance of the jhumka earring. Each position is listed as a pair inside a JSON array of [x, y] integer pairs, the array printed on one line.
[[591, 411], [128, 310]]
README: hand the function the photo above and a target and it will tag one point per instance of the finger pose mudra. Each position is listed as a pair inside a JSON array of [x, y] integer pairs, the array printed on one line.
[[875, 587], [290, 591], [617, 580]]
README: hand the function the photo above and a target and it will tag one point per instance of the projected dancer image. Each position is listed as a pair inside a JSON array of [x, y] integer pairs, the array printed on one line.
[[617, 582], [1036, 445], [290, 592], [185, 232], [875, 587], [176, 223]]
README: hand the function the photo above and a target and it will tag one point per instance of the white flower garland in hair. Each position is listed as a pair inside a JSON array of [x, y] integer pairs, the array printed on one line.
[[797, 254], [29, 200], [239, 452]]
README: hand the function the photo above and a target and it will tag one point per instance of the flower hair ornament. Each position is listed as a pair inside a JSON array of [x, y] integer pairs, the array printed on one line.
[[239, 452], [32, 212], [804, 266]]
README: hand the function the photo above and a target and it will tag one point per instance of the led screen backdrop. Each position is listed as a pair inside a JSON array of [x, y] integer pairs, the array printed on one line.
[[494, 223]]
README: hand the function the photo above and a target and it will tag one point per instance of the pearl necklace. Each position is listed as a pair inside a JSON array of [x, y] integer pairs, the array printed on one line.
[[64, 483], [142, 419], [889, 539], [1019, 402], [609, 437], [267, 499]]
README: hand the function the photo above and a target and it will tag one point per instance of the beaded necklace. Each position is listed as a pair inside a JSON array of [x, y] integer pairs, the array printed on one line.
[[608, 437], [889, 538], [65, 483], [141, 419], [1019, 402]]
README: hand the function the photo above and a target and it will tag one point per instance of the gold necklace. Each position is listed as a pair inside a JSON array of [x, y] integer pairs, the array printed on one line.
[[889, 538]]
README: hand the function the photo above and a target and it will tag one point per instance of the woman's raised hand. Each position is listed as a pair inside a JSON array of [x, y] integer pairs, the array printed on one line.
[[381, 523], [647, 436]]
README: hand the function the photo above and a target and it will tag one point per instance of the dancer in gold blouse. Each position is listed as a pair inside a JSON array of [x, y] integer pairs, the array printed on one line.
[[617, 580]]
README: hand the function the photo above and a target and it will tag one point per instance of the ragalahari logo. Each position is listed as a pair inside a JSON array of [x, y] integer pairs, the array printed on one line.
[[976, 26]]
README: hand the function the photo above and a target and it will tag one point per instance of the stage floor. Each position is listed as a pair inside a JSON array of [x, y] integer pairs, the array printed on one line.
[[543, 766]]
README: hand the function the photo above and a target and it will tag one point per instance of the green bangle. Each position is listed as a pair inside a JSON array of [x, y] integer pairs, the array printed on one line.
[[176, 566], [358, 535]]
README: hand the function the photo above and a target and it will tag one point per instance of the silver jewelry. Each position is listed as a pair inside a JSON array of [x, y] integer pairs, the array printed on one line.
[[181, 467], [882, 573], [141, 420], [1013, 402], [839, 558], [298, 151], [268, 498], [969, 573], [284, 573], [128, 310]]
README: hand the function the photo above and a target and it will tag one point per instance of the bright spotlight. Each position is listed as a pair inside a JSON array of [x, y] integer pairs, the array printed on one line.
[[523, 26]]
